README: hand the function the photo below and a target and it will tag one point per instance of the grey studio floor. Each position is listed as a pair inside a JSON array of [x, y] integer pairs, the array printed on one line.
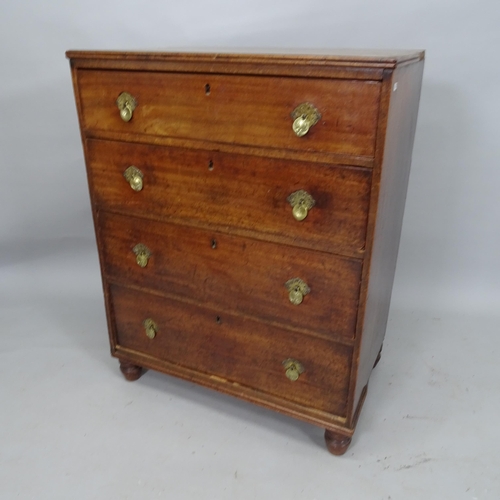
[[72, 427]]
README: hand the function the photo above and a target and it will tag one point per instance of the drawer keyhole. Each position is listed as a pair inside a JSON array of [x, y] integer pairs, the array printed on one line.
[[207, 89]]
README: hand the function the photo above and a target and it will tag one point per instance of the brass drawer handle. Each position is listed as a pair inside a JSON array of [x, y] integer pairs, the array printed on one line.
[[134, 177], [293, 369], [301, 202], [142, 254], [126, 104], [296, 290], [150, 327], [304, 116]]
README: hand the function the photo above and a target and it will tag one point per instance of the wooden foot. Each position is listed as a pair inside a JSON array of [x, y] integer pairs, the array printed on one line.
[[130, 371], [379, 355], [336, 443]]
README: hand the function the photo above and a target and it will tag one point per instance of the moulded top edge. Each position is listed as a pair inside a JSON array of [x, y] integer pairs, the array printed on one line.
[[360, 58]]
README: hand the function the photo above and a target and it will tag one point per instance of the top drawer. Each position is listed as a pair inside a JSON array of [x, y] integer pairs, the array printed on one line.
[[244, 110]]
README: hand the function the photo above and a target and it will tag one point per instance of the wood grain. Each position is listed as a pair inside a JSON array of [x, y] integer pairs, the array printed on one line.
[[262, 58], [386, 216], [233, 348], [245, 110], [218, 165], [240, 275], [244, 193], [343, 64]]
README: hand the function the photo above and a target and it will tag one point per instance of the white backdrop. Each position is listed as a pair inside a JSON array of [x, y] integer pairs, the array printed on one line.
[[442, 353]]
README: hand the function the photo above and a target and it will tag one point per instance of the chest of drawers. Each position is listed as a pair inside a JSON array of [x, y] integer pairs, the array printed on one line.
[[248, 211]]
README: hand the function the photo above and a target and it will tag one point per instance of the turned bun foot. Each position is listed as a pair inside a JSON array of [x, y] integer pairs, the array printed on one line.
[[336, 443], [130, 371]]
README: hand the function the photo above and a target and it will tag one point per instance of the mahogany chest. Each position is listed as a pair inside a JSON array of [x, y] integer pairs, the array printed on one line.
[[248, 211]]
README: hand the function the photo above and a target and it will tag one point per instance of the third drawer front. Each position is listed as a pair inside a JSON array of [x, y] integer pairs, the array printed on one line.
[[241, 275], [247, 193], [309, 371]]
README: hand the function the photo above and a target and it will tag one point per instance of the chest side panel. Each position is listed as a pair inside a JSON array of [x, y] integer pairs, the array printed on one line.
[[390, 187]]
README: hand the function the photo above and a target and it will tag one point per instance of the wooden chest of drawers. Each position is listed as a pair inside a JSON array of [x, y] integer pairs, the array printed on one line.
[[248, 211]]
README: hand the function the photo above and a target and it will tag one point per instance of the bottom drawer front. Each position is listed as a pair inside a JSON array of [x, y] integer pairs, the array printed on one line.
[[237, 349]]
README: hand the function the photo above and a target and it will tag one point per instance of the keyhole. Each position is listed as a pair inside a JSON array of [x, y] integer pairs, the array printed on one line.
[[218, 320], [213, 243], [210, 165], [207, 89]]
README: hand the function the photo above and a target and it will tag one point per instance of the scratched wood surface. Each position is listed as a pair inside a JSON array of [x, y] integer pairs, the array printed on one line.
[[240, 275], [246, 110], [234, 348], [245, 193], [212, 135]]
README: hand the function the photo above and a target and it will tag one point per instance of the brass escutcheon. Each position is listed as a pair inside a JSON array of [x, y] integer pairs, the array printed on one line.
[[304, 116], [296, 290], [134, 177], [150, 327], [293, 369], [301, 202], [126, 104], [142, 254]]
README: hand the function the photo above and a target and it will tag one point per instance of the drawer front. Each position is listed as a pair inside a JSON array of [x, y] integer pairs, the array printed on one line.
[[239, 350], [246, 193], [235, 274], [245, 110]]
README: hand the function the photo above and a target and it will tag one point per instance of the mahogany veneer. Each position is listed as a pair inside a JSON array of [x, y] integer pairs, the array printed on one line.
[[192, 177]]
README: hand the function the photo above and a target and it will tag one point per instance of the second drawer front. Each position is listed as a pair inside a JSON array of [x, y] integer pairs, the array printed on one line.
[[235, 274], [239, 350], [245, 193]]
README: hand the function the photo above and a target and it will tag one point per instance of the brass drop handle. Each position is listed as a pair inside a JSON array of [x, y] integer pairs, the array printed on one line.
[[134, 177], [150, 328], [126, 104], [301, 202], [293, 369], [142, 254], [297, 289], [304, 116]]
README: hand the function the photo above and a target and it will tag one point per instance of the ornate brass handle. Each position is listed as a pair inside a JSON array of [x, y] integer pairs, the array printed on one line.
[[301, 202], [134, 177], [142, 254], [293, 369], [150, 327], [296, 290], [126, 104], [304, 116]]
